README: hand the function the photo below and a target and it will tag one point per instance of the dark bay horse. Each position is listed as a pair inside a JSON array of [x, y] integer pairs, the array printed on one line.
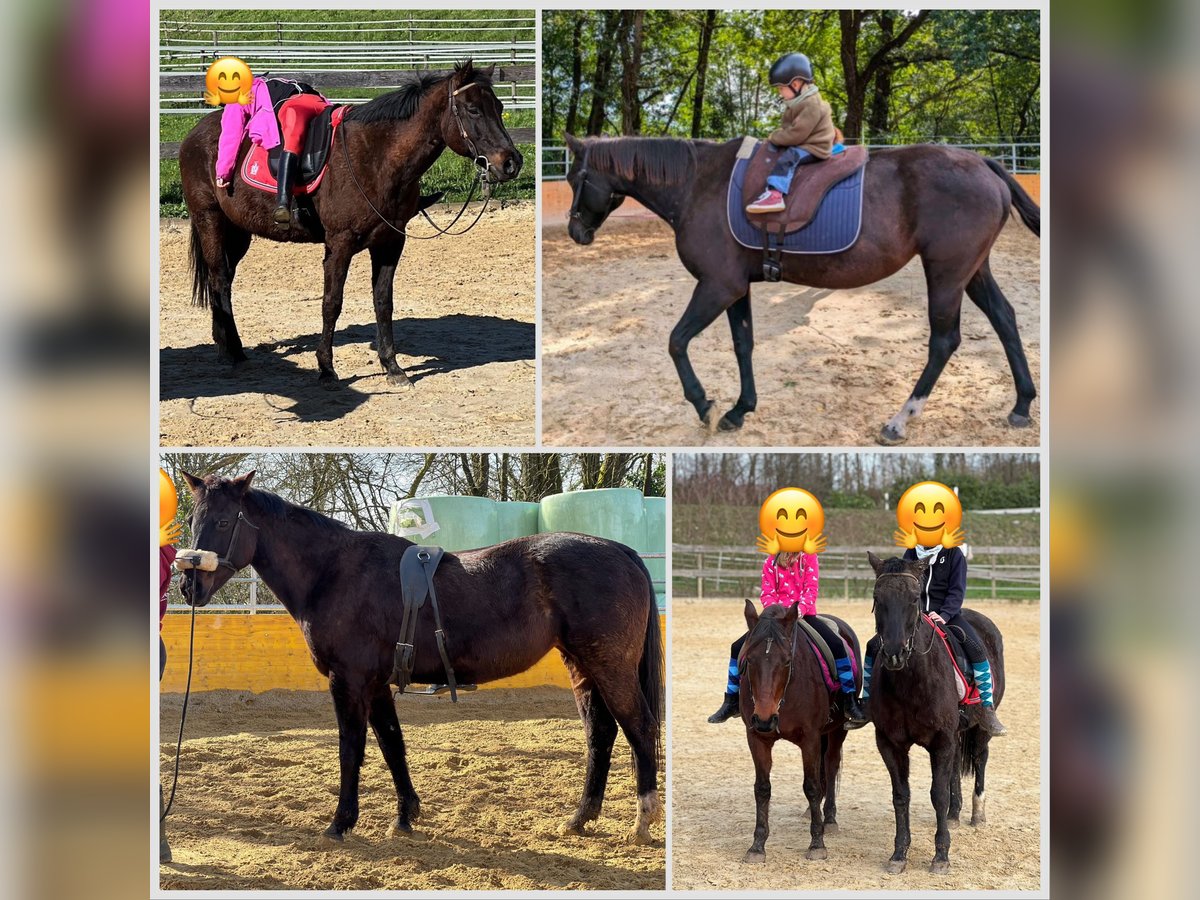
[[944, 204], [784, 696], [503, 608], [371, 190], [914, 701]]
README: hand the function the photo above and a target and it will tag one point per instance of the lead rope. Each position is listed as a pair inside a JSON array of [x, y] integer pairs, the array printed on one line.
[[182, 718], [480, 171]]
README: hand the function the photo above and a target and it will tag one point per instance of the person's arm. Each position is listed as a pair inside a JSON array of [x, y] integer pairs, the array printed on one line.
[[810, 579], [233, 127], [795, 130], [770, 594], [956, 586]]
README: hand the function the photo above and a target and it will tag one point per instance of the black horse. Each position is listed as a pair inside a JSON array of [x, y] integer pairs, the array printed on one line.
[[944, 204], [503, 608], [914, 701], [371, 190], [784, 696]]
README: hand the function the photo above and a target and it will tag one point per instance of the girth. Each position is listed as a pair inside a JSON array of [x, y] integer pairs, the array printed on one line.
[[417, 567]]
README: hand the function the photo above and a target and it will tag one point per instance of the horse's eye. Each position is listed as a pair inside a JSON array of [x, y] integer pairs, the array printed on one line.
[[920, 507], [938, 507], [473, 111], [782, 514], [224, 523]]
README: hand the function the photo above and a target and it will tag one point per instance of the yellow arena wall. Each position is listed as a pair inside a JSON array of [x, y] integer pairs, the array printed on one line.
[[265, 651]]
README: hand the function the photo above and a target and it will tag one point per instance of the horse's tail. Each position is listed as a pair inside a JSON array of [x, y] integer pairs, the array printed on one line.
[[201, 288], [968, 748], [650, 670], [1030, 212]]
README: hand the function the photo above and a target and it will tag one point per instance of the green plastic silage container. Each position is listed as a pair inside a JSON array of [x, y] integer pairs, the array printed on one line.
[[614, 513], [452, 523], [656, 542], [515, 518]]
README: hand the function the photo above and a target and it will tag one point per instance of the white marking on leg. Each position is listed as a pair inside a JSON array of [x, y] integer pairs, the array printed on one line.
[[978, 808], [910, 410]]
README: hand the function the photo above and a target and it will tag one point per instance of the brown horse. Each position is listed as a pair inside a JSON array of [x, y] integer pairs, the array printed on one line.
[[784, 696], [503, 608], [371, 190], [944, 204], [914, 701]]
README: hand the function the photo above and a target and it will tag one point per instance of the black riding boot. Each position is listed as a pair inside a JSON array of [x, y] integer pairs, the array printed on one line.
[[164, 849], [289, 163], [856, 714], [988, 722], [729, 708]]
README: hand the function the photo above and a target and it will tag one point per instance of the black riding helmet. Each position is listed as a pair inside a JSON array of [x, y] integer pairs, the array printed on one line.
[[789, 67]]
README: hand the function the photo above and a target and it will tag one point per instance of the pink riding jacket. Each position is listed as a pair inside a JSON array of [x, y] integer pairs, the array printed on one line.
[[797, 584], [257, 116]]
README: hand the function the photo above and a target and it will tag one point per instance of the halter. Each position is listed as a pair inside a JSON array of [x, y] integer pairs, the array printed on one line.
[[184, 561], [574, 212], [481, 171]]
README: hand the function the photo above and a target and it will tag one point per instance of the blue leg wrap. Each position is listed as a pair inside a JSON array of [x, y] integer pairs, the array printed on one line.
[[868, 665], [982, 672], [845, 676], [735, 679]]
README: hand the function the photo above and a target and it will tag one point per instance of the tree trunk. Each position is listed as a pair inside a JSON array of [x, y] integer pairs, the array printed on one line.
[[706, 32], [576, 72], [603, 72], [877, 123], [631, 70]]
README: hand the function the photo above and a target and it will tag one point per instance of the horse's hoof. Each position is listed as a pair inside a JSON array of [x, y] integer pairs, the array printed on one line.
[[333, 836], [398, 827], [939, 867], [816, 853], [831, 827], [978, 821], [1016, 420], [952, 823], [896, 866], [708, 418], [399, 379], [890, 437], [327, 378], [641, 837], [573, 827], [757, 857]]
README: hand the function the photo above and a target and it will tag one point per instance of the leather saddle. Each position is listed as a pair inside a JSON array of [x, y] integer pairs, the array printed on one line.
[[810, 184], [417, 568], [815, 636], [318, 138]]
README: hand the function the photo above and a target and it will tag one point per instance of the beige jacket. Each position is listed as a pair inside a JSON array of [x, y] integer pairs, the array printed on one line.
[[808, 124]]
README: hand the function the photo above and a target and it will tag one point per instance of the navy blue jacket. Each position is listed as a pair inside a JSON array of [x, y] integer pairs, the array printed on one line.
[[946, 584]]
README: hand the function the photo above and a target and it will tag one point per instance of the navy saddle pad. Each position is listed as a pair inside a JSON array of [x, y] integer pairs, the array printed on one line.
[[833, 229]]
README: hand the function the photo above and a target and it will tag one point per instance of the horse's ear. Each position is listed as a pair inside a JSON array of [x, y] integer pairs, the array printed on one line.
[[792, 614], [919, 567], [242, 482], [876, 563], [464, 73], [751, 614], [195, 485], [489, 71], [574, 144]]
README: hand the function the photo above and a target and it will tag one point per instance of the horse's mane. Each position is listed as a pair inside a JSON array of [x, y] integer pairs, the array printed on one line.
[[402, 103], [655, 161], [771, 625], [274, 505], [895, 564]]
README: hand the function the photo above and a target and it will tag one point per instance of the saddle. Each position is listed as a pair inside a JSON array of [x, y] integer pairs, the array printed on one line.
[[968, 694], [810, 184], [260, 166], [825, 652], [824, 206], [417, 568]]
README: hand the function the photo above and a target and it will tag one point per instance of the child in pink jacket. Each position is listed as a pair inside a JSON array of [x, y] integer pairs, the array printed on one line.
[[794, 579], [298, 104]]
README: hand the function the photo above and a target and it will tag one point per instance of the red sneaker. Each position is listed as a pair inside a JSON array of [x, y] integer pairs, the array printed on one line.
[[770, 201]]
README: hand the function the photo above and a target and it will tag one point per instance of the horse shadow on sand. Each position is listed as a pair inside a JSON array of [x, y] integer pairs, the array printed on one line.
[[441, 345]]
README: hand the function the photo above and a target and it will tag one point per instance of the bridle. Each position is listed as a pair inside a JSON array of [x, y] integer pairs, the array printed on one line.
[[790, 666], [482, 171], [583, 184], [189, 559], [908, 645]]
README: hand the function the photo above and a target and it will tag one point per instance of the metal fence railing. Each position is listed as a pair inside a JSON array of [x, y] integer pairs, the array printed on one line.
[[1022, 157], [711, 571], [247, 594]]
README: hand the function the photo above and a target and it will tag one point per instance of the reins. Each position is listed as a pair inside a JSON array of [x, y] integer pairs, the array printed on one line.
[[908, 645], [480, 173]]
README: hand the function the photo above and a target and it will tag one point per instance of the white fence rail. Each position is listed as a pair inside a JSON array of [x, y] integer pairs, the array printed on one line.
[[1022, 157], [714, 571]]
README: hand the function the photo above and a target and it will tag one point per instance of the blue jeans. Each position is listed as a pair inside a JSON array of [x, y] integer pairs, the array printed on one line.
[[780, 178]]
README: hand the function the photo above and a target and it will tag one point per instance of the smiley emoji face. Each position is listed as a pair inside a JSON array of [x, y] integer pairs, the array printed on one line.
[[227, 80], [791, 520], [929, 514]]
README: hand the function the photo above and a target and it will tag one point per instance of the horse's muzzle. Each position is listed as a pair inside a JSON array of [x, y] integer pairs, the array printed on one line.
[[770, 725], [579, 233], [893, 662]]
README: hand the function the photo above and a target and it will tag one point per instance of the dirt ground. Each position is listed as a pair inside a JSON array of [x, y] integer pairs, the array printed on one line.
[[497, 776], [464, 324], [831, 367], [713, 780]]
